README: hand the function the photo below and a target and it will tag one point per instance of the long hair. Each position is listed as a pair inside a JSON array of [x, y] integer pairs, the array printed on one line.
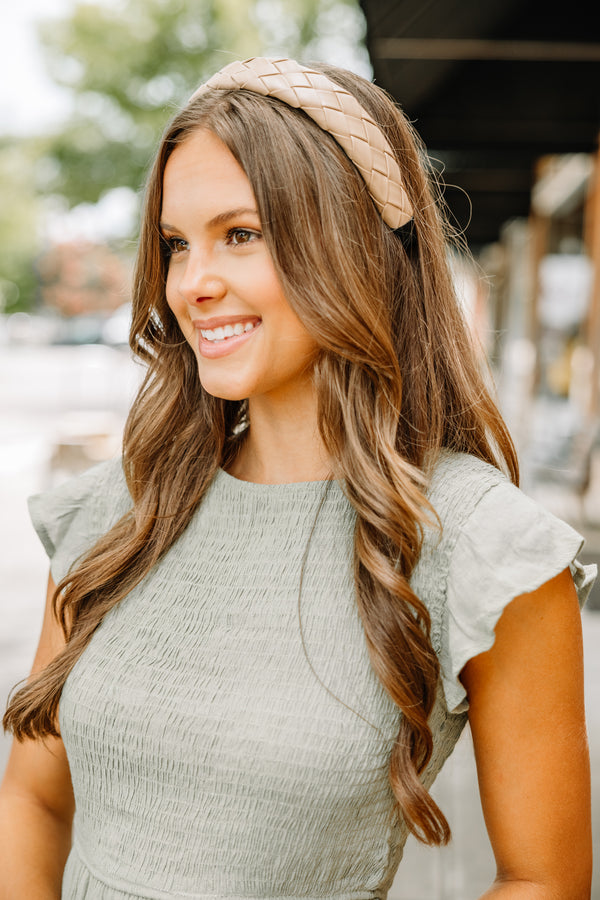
[[396, 378]]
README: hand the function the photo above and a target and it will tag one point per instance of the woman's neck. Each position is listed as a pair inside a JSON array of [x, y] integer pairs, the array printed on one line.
[[282, 445]]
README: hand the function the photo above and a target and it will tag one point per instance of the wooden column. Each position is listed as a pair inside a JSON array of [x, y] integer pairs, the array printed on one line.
[[539, 229], [592, 240]]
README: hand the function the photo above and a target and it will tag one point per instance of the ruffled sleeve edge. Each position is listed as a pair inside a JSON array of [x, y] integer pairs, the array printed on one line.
[[70, 518], [468, 636], [35, 505]]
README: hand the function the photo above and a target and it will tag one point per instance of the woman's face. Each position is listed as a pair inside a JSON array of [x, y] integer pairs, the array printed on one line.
[[221, 282]]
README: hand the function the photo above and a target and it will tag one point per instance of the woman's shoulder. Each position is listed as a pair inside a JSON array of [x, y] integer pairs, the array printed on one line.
[[71, 516], [457, 483], [475, 501], [493, 544], [487, 527], [99, 488], [456, 476]]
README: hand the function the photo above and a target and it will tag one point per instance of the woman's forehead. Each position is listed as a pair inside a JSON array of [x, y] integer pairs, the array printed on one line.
[[203, 171]]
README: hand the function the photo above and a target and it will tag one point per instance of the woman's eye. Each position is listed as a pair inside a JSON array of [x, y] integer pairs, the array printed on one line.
[[238, 236], [174, 245]]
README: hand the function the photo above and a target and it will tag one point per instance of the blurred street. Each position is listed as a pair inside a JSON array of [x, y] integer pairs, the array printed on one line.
[[63, 407]]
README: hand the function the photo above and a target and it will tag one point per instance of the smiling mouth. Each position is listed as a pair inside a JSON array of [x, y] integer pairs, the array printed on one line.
[[223, 333]]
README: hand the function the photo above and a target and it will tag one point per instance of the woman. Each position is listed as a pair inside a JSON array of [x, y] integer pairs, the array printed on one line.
[[275, 614]]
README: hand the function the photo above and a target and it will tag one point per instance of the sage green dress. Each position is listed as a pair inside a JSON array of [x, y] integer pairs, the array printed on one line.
[[225, 743]]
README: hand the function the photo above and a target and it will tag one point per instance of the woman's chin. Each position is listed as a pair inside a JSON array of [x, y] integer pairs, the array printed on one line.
[[224, 392]]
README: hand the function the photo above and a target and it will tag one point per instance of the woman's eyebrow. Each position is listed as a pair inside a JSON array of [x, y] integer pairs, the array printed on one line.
[[220, 218], [225, 216]]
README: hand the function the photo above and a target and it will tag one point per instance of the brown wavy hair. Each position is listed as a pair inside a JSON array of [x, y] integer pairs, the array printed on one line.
[[397, 380]]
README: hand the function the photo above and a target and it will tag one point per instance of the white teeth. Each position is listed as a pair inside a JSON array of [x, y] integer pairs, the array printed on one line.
[[227, 331]]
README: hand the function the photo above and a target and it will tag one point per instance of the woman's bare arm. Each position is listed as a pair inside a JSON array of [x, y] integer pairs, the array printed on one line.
[[528, 723], [36, 802]]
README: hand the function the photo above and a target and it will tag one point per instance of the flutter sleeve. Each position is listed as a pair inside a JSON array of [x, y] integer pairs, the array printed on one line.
[[509, 545], [70, 518]]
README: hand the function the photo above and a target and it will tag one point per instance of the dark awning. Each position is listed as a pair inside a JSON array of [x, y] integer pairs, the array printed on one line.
[[491, 86]]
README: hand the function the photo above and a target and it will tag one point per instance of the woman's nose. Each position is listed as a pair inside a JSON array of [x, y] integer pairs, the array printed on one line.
[[201, 281]]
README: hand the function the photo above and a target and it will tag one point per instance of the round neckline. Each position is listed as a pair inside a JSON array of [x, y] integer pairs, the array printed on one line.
[[259, 486]]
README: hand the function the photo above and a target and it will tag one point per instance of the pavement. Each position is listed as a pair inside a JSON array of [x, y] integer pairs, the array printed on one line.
[[63, 407]]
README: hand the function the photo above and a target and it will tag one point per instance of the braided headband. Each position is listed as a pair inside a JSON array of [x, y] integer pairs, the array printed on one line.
[[336, 111]]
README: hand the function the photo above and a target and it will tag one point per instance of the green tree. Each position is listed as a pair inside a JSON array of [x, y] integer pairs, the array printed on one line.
[[131, 65], [19, 223]]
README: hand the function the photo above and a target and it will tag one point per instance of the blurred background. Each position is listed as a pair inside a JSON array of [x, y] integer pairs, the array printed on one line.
[[505, 96]]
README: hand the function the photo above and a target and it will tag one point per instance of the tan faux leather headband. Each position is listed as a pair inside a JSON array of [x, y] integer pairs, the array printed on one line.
[[335, 110]]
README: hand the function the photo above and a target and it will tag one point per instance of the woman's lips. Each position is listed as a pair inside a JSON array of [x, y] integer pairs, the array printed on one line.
[[217, 348]]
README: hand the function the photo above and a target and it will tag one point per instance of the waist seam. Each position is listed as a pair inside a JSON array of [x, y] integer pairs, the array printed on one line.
[[149, 893]]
